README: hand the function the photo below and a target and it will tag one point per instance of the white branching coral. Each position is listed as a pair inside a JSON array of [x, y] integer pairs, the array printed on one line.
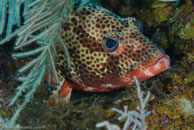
[[135, 118], [108, 125]]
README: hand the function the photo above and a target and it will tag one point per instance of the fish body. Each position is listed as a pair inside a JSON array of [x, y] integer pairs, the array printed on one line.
[[106, 51]]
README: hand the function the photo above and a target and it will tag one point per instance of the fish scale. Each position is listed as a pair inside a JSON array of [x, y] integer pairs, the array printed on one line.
[[94, 65]]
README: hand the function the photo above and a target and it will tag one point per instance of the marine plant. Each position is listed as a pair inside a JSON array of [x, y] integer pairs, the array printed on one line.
[[36, 22]]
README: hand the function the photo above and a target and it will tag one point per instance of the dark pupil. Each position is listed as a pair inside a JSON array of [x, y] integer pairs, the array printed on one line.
[[110, 43]]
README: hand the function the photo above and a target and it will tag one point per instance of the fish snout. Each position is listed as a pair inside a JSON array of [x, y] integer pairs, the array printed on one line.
[[162, 64]]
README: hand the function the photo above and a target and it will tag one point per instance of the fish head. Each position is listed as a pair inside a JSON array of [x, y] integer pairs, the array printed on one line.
[[133, 54]]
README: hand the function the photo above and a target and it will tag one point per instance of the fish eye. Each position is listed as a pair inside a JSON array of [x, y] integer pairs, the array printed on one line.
[[110, 44]]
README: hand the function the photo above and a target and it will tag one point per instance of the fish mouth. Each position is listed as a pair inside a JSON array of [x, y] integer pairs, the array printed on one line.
[[161, 64], [162, 58]]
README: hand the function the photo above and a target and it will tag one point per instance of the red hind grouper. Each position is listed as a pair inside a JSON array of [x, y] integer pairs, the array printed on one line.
[[106, 51]]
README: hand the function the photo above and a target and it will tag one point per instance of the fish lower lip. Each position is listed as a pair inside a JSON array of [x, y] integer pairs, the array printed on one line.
[[163, 56]]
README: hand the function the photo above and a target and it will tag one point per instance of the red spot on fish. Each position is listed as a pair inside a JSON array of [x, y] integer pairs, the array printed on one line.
[[133, 48]]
